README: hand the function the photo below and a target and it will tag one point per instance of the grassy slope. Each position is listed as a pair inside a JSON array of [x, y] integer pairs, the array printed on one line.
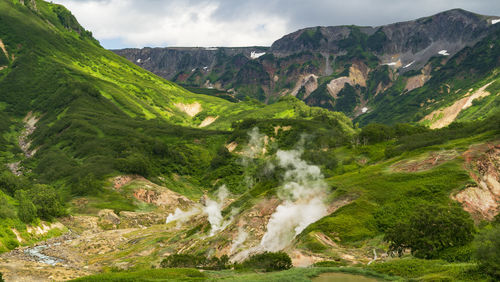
[[101, 115], [99, 112]]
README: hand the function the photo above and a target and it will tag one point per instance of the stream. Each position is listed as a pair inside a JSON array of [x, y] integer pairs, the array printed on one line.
[[36, 253]]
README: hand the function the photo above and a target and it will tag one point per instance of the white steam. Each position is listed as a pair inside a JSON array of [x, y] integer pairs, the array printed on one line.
[[256, 144], [302, 195], [182, 216], [213, 209], [242, 237]]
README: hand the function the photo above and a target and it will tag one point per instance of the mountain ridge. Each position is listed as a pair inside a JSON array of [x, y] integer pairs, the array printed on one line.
[[309, 59]]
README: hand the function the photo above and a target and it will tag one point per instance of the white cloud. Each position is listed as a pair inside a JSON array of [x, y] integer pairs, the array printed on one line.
[[180, 24], [140, 23]]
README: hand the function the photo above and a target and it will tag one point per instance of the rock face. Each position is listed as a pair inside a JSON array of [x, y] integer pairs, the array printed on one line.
[[483, 199], [168, 62], [415, 40], [313, 64]]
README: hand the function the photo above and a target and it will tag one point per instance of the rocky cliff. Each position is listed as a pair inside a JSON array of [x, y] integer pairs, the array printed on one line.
[[342, 68]]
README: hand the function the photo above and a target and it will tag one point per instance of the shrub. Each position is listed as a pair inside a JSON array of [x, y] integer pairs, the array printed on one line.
[[269, 261], [6, 209], [180, 260], [374, 133], [26, 210], [194, 261], [487, 253], [430, 229], [46, 201]]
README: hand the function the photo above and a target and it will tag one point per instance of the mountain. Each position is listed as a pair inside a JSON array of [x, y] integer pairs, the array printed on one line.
[[315, 64], [110, 171]]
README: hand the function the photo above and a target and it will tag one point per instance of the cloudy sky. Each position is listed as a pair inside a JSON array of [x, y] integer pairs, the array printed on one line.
[[158, 23]]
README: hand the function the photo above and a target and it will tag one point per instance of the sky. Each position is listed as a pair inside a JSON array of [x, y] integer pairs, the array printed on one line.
[[213, 23]]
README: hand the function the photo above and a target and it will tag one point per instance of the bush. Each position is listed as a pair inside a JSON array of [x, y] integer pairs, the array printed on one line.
[[487, 251], [374, 133], [194, 261], [46, 201], [26, 210], [430, 229], [180, 260], [269, 261], [6, 209]]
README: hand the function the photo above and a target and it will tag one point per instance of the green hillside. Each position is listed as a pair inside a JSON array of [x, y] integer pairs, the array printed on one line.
[[139, 173], [97, 115]]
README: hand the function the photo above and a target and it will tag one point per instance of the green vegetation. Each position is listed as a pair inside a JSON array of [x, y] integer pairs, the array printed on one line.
[[429, 270], [487, 245], [148, 275], [268, 262], [195, 261], [430, 229], [99, 116]]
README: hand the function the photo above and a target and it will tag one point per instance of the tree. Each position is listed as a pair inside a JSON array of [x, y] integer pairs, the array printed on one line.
[[6, 209], [46, 201], [487, 253], [269, 261], [26, 210], [374, 133], [87, 185], [429, 229]]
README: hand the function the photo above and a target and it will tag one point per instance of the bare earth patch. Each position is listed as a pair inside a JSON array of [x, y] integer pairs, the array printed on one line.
[[2, 46], [190, 109], [483, 199], [425, 162], [443, 117], [208, 121], [358, 74], [308, 81]]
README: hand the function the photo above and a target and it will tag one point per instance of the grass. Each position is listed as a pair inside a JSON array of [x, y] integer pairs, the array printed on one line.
[[430, 270], [148, 275], [294, 274]]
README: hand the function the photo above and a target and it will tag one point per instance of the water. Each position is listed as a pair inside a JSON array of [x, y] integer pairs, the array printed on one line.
[[342, 277], [36, 253]]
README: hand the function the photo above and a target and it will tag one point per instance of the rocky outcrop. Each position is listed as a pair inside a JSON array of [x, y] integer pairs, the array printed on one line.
[[168, 62], [309, 63], [412, 41], [483, 199]]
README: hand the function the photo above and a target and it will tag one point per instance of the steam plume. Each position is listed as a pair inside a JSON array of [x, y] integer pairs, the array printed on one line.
[[242, 237], [213, 209], [303, 194]]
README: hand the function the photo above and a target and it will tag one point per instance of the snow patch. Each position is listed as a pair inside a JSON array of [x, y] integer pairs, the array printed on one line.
[[444, 53], [205, 68], [255, 55], [391, 64], [495, 21], [408, 65], [364, 110], [211, 49], [139, 61]]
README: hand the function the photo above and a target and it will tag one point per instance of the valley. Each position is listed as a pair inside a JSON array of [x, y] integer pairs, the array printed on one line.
[[339, 152]]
